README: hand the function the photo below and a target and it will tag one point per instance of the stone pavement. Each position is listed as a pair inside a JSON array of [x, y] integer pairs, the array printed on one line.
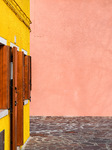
[[70, 133]]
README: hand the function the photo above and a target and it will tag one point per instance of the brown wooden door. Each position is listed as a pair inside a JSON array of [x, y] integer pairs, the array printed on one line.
[[30, 73], [4, 77], [14, 99], [15, 77], [20, 97], [27, 77]]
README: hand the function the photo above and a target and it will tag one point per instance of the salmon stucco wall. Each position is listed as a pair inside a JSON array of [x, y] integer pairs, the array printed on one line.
[[71, 46]]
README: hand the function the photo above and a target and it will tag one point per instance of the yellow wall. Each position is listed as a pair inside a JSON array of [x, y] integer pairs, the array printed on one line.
[[22, 4], [26, 122], [5, 125], [11, 26]]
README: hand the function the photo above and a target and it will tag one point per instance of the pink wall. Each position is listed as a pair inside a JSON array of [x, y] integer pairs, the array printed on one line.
[[71, 46]]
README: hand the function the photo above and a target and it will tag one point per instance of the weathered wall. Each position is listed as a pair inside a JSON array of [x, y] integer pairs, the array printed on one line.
[[71, 45]]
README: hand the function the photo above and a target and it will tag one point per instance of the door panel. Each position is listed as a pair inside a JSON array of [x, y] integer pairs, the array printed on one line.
[[4, 77], [26, 77], [30, 73], [1, 76], [20, 97], [14, 101], [29, 77]]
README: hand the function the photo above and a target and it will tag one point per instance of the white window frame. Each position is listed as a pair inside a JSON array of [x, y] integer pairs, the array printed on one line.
[[3, 41], [3, 113], [25, 52], [13, 45], [26, 102]]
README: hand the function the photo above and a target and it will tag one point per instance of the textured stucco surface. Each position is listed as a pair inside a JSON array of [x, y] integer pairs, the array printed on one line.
[[71, 45]]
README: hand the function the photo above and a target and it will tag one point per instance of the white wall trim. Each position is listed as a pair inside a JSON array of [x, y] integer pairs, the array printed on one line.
[[3, 41], [13, 45], [3, 113], [25, 52], [25, 102]]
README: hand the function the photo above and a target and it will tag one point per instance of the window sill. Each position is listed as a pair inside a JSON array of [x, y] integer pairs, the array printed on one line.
[[25, 102], [3, 113]]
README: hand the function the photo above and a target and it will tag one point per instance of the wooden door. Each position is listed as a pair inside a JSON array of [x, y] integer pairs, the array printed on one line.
[[27, 77], [20, 97], [4, 77], [14, 64], [14, 99]]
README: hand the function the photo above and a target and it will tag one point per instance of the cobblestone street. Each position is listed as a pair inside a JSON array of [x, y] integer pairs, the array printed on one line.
[[70, 133]]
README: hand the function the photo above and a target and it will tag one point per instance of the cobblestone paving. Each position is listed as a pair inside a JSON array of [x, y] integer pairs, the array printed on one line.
[[70, 133]]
